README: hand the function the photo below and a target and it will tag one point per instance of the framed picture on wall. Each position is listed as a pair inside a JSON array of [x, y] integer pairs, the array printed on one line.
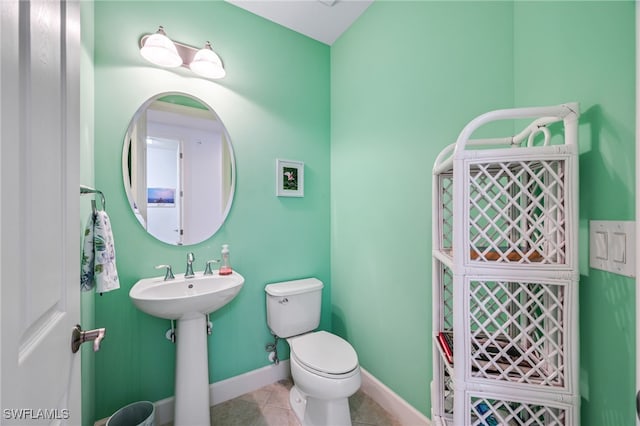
[[289, 178], [161, 197]]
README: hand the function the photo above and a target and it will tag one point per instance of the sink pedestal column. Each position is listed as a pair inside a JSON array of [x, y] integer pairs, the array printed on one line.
[[192, 373]]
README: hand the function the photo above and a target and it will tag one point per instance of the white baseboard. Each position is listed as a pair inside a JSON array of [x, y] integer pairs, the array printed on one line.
[[390, 401], [225, 390], [233, 387], [230, 388]]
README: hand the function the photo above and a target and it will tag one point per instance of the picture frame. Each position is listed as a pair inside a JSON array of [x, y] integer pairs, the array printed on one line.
[[161, 197], [289, 178]]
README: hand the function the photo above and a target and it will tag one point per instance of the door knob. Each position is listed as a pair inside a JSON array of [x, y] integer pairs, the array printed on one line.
[[79, 336]]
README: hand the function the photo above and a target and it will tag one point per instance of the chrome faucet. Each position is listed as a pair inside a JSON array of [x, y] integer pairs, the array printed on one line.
[[190, 259]]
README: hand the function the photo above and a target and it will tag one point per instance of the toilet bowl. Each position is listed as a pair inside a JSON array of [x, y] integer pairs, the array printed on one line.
[[324, 367], [325, 373]]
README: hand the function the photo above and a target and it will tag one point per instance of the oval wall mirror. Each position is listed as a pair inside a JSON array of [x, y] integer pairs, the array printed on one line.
[[178, 169]]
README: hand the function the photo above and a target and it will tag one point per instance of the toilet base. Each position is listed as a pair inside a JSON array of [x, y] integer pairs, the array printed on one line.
[[297, 402], [319, 412]]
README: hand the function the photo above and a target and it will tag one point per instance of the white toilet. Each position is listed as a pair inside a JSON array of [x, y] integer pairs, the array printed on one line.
[[324, 366]]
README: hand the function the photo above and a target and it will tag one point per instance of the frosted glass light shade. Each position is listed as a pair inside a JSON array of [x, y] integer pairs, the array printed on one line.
[[160, 50], [207, 63]]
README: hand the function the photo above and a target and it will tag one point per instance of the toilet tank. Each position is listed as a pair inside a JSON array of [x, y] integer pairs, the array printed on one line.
[[293, 307]]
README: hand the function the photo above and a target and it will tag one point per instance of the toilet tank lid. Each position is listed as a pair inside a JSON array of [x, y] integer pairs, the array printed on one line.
[[289, 288]]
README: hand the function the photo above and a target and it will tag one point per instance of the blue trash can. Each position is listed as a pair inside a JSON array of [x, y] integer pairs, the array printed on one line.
[[141, 413]]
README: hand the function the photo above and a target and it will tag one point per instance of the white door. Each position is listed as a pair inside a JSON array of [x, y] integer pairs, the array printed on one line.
[[39, 211], [164, 204]]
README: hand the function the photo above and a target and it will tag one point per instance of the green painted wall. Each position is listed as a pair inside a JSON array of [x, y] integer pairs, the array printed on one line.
[[585, 52], [405, 79], [87, 300], [275, 104]]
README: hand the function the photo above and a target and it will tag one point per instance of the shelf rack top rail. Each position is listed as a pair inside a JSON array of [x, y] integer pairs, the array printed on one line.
[[542, 117]]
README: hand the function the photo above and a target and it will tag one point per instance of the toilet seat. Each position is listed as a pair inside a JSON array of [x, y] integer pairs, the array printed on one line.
[[324, 354]]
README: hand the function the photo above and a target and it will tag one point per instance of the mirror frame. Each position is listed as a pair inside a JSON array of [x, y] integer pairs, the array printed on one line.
[[126, 170]]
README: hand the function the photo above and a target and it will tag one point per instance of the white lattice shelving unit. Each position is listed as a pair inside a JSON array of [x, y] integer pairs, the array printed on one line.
[[505, 273]]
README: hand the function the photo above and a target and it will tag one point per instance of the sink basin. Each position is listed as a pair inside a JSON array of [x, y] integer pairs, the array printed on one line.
[[183, 298]]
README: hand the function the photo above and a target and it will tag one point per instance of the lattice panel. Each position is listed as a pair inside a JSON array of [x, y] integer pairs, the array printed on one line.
[[446, 278], [446, 210], [517, 332], [493, 412], [517, 212], [448, 394]]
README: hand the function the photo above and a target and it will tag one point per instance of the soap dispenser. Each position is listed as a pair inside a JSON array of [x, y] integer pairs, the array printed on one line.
[[225, 266]]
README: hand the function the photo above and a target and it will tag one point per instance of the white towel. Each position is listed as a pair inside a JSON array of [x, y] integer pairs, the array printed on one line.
[[99, 255]]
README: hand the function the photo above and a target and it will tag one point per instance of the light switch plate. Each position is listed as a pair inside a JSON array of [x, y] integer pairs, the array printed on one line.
[[612, 246]]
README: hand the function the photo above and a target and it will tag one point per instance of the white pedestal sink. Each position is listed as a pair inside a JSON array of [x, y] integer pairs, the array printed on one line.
[[188, 300]]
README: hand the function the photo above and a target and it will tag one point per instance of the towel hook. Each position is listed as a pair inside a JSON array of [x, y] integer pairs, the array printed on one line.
[[88, 190]]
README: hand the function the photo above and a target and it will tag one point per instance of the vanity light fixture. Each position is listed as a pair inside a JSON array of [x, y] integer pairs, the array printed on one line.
[[207, 63], [162, 51]]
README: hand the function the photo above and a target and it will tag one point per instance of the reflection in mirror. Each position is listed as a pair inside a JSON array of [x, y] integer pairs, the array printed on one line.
[[178, 169]]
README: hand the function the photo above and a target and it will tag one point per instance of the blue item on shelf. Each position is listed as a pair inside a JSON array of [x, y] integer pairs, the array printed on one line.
[[484, 408]]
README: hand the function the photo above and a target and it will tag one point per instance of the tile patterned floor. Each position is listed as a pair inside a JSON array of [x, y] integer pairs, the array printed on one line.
[[269, 406]]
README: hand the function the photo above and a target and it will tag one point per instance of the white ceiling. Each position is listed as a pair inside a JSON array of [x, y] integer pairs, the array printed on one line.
[[322, 20]]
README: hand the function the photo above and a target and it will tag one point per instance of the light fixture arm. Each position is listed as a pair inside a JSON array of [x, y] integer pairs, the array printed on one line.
[[185, 51], [161, 31]]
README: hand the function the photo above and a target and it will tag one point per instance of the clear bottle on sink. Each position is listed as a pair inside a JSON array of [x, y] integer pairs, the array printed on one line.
[[225, 265]]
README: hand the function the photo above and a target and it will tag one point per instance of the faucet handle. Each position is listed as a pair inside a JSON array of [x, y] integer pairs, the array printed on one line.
[[207, 269], [168, 274]]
